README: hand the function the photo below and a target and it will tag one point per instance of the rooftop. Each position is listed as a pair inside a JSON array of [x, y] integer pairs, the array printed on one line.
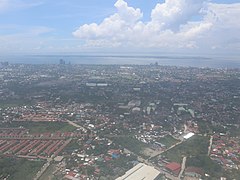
[[140, 171], [173, 166], [189, 135]]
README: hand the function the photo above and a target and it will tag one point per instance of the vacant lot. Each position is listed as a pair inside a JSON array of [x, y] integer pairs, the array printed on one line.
[[204, 162], [20, 169], [48, 174], [168, 141], [130, 143], [197, 145]]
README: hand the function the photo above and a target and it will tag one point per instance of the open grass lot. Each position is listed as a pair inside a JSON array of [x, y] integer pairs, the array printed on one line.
[[168, 141], [73, 145], [204, 162], [19, 169], [212, 168], [130, 143], [197, 145], [41, 127], [48, 174]]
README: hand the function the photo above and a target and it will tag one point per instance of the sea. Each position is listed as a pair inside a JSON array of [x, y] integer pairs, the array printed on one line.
[[168, 60]]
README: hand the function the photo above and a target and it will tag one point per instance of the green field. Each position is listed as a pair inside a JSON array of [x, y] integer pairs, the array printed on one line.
[[20, 169], [130, 143], [204, 162], [41, 127], [73, 145], [168, 141], [197, 145], [48, 174]]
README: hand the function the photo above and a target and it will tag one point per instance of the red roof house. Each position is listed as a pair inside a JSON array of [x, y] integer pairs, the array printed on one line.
[[173, 167]]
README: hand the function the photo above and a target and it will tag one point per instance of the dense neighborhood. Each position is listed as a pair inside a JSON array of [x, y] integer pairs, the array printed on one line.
[[120, 121]]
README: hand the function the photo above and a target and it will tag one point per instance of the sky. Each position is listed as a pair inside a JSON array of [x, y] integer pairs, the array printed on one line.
[[120, 26]]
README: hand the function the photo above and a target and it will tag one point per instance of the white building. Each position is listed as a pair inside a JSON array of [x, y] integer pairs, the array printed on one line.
[[140, 171]]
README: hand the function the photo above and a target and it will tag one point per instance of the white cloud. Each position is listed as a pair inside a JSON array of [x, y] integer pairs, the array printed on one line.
[[174, 24], [128, 14], [124, 20], [174, 13], [225, 15], [225, 26], [8, 5]]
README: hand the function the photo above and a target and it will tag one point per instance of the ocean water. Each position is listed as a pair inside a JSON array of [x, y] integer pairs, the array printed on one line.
[[184, 61]]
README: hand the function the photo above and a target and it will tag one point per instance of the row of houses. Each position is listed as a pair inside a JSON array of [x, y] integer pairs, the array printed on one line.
[[44, 148]]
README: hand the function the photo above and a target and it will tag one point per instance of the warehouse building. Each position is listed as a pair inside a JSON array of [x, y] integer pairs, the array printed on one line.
[[140, 171]]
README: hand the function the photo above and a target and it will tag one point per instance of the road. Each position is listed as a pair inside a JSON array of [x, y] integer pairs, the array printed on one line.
[[183, 167], [45, 166], [146, 161], [76, 125], [43, 169], [155, 155], [210, 145], [185, 128]]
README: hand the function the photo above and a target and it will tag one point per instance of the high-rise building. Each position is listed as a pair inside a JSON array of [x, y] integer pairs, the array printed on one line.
[[61, 61]]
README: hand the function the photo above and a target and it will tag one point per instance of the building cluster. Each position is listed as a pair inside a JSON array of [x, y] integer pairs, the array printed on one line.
[[97, 157], [22, 133], [14, 142], [225, 151], [158, 106], [163, 96]]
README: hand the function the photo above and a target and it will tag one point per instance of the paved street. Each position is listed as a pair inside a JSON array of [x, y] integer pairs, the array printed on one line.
[[43, 169], [182, 167], [76, 125], [210, 145]]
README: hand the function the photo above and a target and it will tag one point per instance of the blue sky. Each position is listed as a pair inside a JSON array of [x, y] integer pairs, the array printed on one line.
[[78, 26]]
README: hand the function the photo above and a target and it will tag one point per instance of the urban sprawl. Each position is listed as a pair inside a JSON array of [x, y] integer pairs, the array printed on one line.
[[124, 122]]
